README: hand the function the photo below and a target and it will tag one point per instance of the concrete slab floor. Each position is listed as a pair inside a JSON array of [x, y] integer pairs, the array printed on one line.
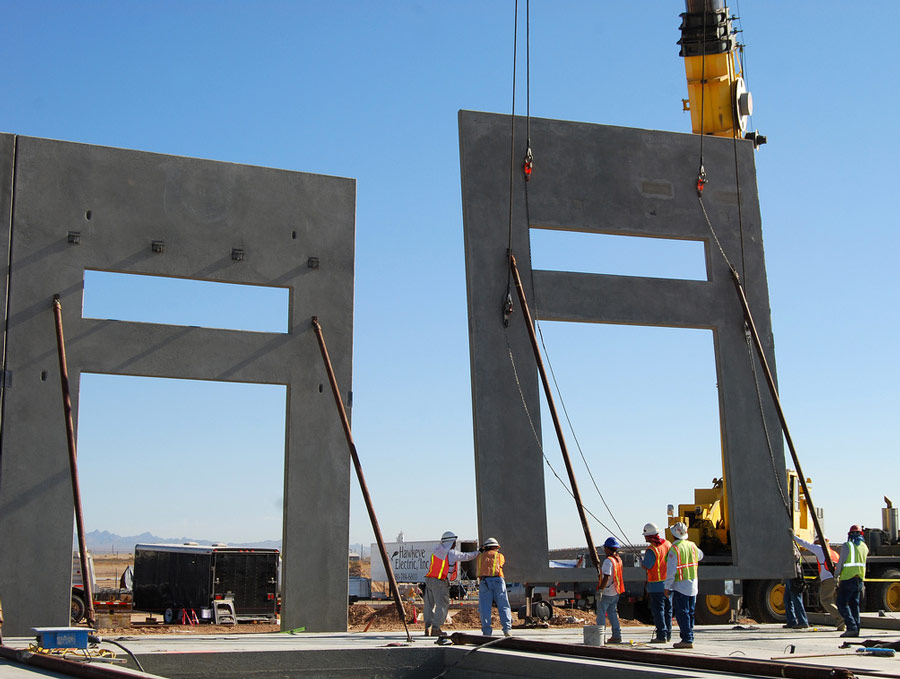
[[389, 654]]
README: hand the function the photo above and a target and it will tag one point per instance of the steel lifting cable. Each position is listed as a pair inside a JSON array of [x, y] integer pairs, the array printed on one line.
[[762, 417], [734, 137], [540, 445], [750, 326], [701, 172], [507, 301], [527, 168]]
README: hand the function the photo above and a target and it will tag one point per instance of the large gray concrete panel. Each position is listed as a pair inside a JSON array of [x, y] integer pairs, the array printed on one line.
[[613, 180], [7, 156], [119, 201]]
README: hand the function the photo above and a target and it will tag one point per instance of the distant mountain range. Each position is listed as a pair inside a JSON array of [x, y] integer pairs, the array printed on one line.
[[104, 542]]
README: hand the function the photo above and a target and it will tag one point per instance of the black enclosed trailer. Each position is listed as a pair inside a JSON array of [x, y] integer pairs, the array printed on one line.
[[179, 581]]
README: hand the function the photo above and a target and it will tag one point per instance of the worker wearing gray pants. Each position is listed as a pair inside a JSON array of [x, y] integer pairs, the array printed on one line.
[[827, 592], [441, 568]]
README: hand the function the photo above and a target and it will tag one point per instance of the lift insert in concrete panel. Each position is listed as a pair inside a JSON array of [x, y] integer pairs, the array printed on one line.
[[70, 207], [612, 180]]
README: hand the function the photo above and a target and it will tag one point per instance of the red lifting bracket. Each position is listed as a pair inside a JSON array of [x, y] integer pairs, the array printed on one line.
[[701, 181], [528, 164]]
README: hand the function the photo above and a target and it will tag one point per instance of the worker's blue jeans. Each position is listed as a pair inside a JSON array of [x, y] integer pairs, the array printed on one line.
[[493, 589], [793, 607], [606, 608], [661, 608], [848, 599], [684, 614]]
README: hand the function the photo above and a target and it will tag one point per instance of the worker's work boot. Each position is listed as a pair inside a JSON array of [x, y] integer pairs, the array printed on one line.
[[427, 631], [506, 633], [683, 644], [436, 632], [657, 640], [851, 633], [614, 640]]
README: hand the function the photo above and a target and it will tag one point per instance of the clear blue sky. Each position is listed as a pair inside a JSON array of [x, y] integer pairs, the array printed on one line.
[[371, 90]]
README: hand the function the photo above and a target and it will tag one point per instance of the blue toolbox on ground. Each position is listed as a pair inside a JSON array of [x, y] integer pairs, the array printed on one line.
[[62, 637]]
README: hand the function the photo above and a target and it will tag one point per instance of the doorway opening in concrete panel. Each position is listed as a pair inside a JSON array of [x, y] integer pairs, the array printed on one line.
[[643, 402], [178, 460]]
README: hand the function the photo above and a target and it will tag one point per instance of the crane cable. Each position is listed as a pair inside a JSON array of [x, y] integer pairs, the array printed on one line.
[[527, 168], [507, 301], [702, 180], [747, 334]]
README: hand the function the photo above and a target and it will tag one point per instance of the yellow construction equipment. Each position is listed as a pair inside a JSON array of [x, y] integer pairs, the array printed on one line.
[[718, 100]]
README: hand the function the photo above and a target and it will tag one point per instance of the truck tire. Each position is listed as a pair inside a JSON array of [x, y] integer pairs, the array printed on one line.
[[884, 596], [765, 601], [169, 616], [78, 607], [713, 609], [543, 610]]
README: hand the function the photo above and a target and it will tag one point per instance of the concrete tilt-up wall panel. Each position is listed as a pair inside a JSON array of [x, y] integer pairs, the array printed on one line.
[[219, 222]]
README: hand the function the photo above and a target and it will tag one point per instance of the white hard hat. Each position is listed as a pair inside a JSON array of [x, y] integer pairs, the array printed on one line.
[[651, 529], [679, 530], [448, 536], [491, 542]]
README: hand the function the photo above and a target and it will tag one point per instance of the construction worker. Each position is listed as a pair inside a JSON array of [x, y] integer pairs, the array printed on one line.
[[850, 572], [441, 567], [682, 566], [826, 577], [612, 584], [794, 612], [492, 587], [654, 563]]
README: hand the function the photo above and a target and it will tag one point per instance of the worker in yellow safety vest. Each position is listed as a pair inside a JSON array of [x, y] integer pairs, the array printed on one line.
[[850, 572], [492, 587], [654, 562], [437, 586], [682, 565], [611, 585]]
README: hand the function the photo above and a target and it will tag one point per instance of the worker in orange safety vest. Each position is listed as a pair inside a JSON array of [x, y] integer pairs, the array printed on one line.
[[492, 587], [611, 585], [827, 588], [654, 562], [437, 586]]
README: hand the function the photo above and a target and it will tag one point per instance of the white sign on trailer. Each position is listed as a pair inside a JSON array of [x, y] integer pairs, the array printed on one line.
[[408, 559]]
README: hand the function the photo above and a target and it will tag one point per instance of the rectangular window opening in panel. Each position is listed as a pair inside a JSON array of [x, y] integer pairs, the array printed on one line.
[[600, 253], [185, 302], [169, 461], [644, 407]]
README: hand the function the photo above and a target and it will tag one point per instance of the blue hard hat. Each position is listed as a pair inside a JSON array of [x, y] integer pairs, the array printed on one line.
[[612, 543]]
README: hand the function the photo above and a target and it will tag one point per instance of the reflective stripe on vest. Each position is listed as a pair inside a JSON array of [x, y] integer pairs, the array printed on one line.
[[618, 581], [490, 563], [855, 566], [688, 558], [657, 572], [438, 568]]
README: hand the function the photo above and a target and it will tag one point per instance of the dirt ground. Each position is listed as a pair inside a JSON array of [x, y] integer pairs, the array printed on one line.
[[362, 617]]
